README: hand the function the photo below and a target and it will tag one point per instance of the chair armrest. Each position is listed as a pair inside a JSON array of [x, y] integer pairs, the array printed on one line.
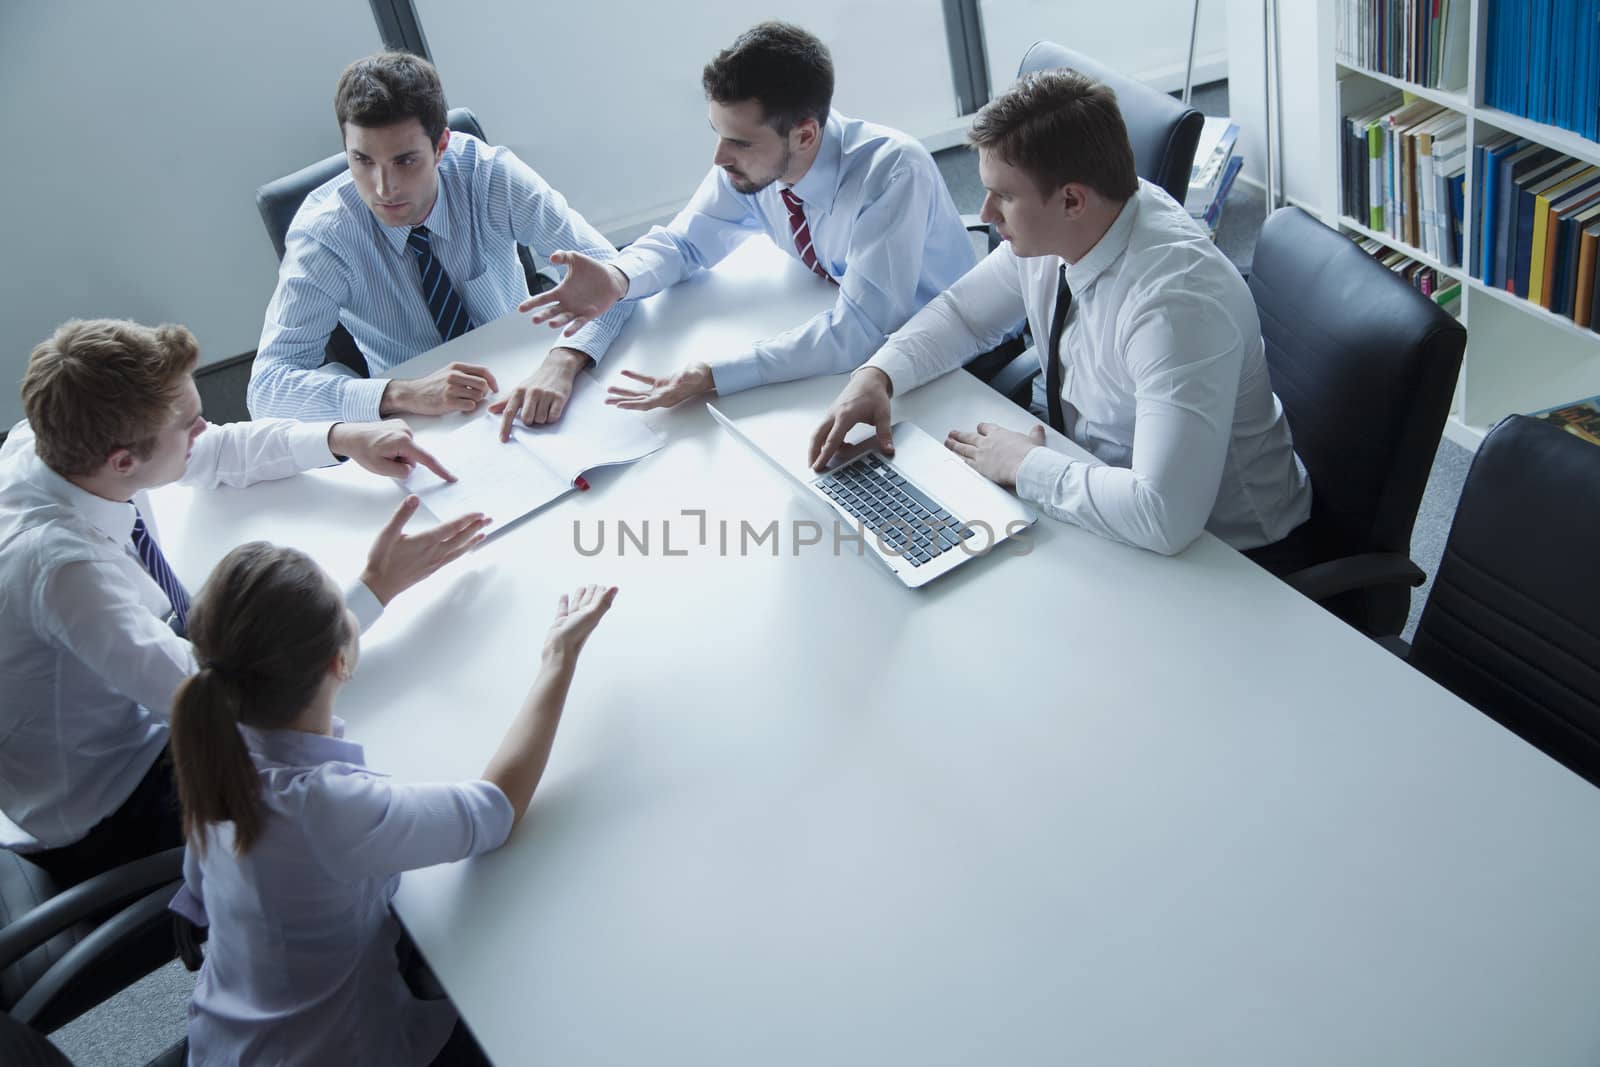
[[89, 954], [1346, 575], [974, 224], [1395, 645], [102, 893], [1015, 379]]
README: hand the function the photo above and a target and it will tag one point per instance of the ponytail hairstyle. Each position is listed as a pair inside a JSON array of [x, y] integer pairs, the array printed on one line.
[[266, 627]]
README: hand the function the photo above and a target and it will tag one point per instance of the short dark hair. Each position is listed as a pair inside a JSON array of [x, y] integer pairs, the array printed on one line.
[[781, 67], [99, 385], [1060, 127], [390, 87]]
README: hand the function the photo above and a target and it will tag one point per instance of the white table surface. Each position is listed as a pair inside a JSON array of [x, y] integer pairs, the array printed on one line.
[[1088, 805]]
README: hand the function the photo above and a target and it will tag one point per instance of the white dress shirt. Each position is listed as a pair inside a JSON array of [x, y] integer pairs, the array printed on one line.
[[340, 265], [1164, 380], [300, 963], [882, 225], [88, 665]]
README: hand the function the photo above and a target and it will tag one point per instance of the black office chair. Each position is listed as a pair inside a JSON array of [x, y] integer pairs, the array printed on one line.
[[1365, 367], [1164, 133], [279, 200], [1512, 624], [62, 953]]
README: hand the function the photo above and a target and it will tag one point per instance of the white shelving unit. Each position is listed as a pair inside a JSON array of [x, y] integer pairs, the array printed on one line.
[[1519, 357]]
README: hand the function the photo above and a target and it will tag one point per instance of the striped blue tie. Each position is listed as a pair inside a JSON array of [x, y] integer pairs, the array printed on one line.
[[449, 313], [156, 563]]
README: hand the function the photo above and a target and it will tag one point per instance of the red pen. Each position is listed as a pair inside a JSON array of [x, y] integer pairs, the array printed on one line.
[[583, 486]]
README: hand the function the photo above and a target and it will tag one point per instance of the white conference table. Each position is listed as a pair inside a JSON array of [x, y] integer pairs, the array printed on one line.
[[1088, 805]]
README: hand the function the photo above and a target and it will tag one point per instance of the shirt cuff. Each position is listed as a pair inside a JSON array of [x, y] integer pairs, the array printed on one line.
[[364, 603], [735, 375], [897, 365], [363, 397], [642, 279], [308, 444], [1041, 469], [492, 816]]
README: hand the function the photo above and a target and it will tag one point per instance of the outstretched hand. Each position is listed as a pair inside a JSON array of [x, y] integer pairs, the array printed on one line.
[[398, 561], [586, 293]]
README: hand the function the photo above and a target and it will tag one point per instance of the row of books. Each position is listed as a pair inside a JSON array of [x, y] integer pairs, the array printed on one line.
[[1581, 419], [1404, 174], [1211, 177], [1543, 62], [1445, 290], [1537, 224], [1422, 41]]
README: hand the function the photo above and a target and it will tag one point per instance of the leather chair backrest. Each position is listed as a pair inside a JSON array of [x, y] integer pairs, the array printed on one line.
[[1512, 624], [1163, 130], [1365, 366], [278, 200]]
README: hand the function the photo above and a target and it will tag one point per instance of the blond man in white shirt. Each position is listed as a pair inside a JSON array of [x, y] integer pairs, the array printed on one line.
[[1161, 376], [89, 657]]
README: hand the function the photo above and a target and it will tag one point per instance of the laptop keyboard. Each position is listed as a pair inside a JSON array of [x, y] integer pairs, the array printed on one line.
[[907, 521]]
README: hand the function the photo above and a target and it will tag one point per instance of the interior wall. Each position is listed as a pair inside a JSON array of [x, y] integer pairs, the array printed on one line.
[[139, 135]]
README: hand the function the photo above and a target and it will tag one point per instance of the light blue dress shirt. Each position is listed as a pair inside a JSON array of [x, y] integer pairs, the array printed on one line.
[[340, 265], [300, 963], [882, 224]]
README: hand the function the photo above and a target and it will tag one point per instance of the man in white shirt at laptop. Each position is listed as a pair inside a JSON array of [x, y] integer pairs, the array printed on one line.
[[90, 610], [1148, 337], [860, 205]]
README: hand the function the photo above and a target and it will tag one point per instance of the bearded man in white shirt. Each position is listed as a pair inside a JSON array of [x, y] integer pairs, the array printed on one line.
[[1147, 336], [91, 612]]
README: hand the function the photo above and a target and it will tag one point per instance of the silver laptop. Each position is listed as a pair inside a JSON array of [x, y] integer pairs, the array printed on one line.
[[922, 513]]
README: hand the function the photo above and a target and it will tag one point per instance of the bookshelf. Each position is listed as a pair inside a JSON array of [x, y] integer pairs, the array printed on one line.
[[1520, 357]]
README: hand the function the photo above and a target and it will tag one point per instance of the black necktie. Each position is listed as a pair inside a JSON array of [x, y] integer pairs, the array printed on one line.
[[449, 313], [1052, 374]]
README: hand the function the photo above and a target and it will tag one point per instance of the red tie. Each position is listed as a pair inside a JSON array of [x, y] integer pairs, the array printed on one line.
[[802, 233]]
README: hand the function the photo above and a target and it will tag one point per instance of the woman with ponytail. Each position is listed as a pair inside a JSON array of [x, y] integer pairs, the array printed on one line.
[[295, 848]]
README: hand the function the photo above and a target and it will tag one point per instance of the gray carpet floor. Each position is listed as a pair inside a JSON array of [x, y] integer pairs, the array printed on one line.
[[144, 1020]]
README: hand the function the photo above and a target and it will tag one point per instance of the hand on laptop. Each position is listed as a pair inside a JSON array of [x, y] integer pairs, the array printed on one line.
[[864, 399], [398, 561], [458, 387], [385, 448], [692, 381], [994, 451], [586, 293], [542, 396]]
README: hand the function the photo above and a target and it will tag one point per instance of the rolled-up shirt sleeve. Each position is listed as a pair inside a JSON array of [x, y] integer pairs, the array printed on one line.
[[373, 827], [1184, 355]]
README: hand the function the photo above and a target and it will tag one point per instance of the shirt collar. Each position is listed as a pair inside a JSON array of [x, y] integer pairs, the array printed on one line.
[[114, 518], [296, 748], [437, 222], [820, 184], [1112, 243]]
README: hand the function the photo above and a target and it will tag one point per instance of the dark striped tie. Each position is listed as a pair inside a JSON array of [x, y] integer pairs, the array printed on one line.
[[156, 563], [449, 313], [802, 233]]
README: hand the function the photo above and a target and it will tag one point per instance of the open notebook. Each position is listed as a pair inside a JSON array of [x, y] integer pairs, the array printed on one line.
[[507, 480]]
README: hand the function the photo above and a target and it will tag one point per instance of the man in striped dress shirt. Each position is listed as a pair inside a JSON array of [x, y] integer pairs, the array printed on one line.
[[91, 610], [861, 206], [412, 246]]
